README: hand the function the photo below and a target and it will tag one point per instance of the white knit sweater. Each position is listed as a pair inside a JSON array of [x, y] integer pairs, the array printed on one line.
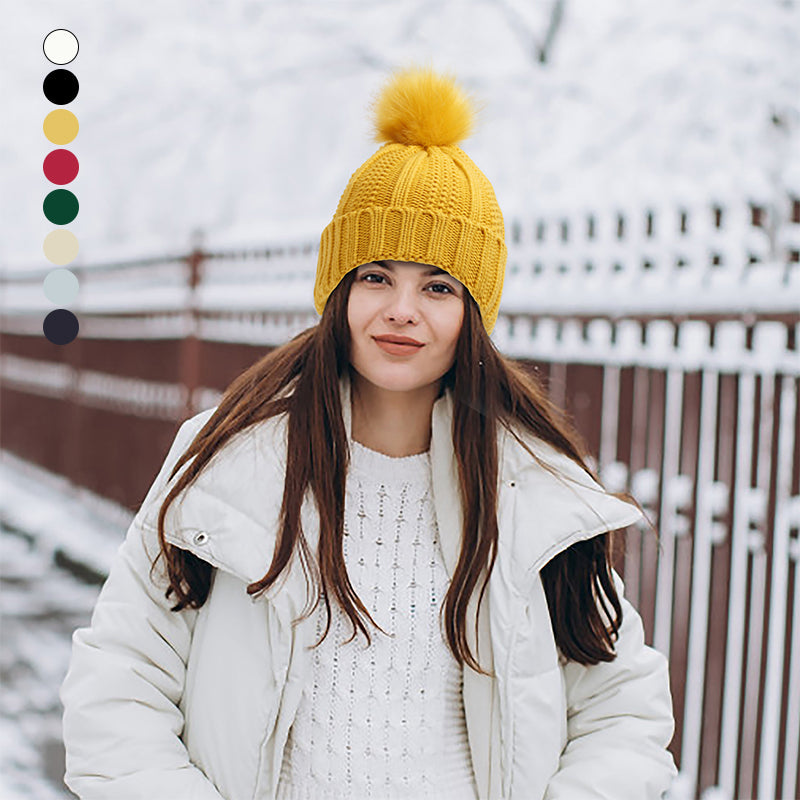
[[384, 721]]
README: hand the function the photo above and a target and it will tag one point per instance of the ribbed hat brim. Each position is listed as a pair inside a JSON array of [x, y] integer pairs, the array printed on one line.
[[472, 254]]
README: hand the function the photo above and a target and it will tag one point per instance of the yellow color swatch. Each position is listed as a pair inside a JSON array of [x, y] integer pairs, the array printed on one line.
[[60, 126], [60, 246]]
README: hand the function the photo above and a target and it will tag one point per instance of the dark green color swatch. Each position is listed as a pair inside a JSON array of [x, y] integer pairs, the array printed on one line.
[[60, 206]]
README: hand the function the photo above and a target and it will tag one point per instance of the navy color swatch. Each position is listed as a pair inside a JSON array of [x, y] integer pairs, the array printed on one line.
[[60, 326]]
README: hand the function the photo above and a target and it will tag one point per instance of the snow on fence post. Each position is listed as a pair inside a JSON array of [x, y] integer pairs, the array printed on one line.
[[732, 338], [791, 749], [788, 239], [695, 337], [643, 479], [659, 335], [190, 344], [779, 584], [768, 339]]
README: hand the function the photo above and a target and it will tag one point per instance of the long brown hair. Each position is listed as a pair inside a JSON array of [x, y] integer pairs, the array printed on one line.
[[488, 388]]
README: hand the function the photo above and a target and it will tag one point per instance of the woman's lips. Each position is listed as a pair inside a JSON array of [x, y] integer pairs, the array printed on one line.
[[398, 349]]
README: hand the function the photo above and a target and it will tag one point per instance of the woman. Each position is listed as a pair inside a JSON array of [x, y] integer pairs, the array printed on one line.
[[430, 491]]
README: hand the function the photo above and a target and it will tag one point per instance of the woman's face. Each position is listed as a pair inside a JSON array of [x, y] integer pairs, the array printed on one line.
[[401, 298]]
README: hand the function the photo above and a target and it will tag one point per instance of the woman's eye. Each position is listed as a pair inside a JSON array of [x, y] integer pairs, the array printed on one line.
[[378, 275]]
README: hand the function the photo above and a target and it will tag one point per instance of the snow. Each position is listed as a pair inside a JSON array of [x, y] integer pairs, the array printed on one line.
[[42, 519], [245, 120], [60, 515]]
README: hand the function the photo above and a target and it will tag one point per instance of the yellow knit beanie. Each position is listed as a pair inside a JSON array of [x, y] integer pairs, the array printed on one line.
[[419, 197]]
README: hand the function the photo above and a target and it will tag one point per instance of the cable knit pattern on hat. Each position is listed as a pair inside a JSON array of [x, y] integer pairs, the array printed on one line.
[[384, 721]]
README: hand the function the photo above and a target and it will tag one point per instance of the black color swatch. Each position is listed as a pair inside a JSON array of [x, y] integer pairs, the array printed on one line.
[[60, 87], [60, 326]]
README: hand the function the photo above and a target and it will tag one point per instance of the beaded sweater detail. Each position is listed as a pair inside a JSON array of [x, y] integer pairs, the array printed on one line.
[[385, 720]]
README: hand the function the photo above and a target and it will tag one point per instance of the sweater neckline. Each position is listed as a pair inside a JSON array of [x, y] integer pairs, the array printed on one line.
[[374, 464]]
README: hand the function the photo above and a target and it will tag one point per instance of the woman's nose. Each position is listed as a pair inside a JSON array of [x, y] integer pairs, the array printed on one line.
[[403, 302]]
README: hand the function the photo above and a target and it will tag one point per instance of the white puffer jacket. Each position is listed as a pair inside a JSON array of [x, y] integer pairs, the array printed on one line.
[[197, 704]]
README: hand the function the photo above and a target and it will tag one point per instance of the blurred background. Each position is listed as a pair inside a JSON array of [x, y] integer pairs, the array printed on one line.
[[647, 161]]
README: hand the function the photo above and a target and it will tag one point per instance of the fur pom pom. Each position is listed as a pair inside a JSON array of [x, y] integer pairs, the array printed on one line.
[[419, 106]]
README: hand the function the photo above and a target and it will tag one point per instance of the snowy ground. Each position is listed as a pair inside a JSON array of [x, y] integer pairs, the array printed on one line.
[[45, 529]]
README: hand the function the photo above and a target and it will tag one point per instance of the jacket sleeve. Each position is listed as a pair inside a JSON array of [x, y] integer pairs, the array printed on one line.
[[619, 722], [121, 721]]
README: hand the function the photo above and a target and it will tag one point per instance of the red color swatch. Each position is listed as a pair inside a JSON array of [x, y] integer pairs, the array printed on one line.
[[60, 166]]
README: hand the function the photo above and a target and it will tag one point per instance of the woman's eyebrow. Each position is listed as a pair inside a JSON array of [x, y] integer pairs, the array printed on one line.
[[432, 271]]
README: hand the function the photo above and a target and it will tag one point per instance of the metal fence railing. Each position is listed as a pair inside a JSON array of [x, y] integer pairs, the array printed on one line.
[[672, 337]]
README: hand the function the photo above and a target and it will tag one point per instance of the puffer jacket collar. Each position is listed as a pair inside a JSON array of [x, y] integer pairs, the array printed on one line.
[[573, 505]]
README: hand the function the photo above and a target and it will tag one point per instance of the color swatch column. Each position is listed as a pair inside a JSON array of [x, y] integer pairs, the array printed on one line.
[[60, 167]]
